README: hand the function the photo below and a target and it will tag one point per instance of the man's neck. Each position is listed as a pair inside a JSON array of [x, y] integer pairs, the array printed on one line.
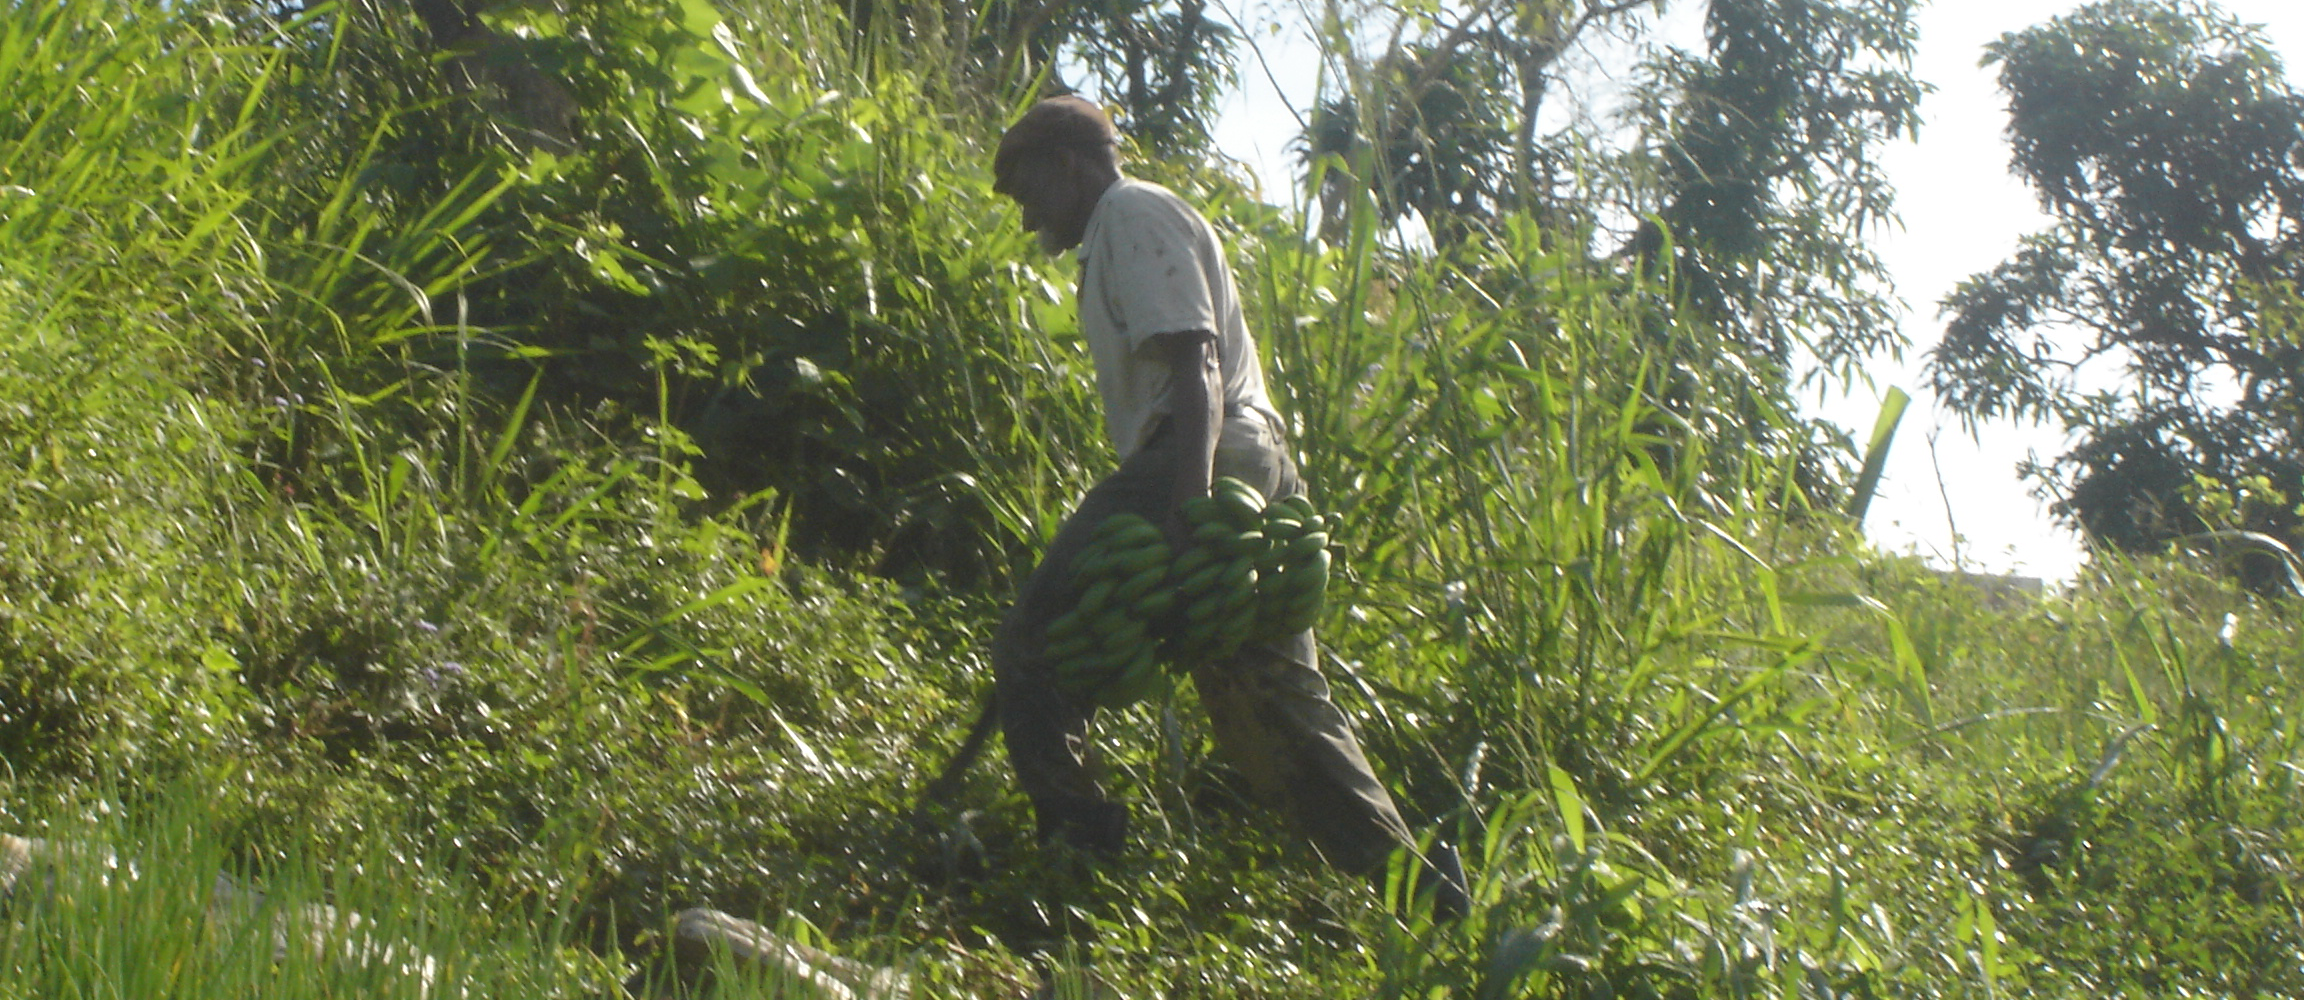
[[1097, 186]]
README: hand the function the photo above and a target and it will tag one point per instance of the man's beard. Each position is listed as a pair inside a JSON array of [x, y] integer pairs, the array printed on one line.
[[1051, 244]]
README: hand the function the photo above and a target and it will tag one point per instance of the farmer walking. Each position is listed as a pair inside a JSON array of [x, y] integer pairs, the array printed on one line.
[[1184, 403]]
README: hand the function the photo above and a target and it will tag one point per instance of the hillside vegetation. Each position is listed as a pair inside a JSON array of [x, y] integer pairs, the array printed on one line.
[[523, 537]]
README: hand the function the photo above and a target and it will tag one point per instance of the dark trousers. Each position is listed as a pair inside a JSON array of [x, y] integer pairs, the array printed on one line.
[[1267, 704]]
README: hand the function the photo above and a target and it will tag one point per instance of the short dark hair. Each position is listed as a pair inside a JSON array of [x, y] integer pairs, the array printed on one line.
[[1057, 123]]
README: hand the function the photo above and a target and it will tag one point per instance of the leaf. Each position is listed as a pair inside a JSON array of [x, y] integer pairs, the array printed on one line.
[[741, 686], [2137, 699], [1691, 730], [1876, 453], [732, 592], [1570, 802], [514, 423]]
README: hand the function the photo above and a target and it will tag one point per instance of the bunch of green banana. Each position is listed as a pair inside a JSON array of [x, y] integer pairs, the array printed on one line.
[[1292, 574], [1100, 648], [1254, 571]]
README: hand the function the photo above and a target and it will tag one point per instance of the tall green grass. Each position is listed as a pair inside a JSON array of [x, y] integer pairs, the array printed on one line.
[[140, 905], [148, 896], [619, 532]]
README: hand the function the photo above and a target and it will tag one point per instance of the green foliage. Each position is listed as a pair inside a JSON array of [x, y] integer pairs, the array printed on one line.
[[1767, 183], [1439, 155], [127, 899], [479, 538], [1741, 208], [1754, 180], [2139, 780], [1160, 67], [119, 485], [2162, 137], [751, 248]]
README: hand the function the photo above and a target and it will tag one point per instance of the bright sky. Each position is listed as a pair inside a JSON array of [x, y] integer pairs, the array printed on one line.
[[1946, 496]]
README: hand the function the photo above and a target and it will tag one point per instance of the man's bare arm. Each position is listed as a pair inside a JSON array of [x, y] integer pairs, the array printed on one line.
[[1196, 395]]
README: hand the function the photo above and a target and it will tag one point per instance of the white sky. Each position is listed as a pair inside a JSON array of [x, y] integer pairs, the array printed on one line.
[[1963, 213]]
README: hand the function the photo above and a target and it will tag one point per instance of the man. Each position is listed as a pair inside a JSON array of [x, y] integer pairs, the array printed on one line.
[[1184, 403]]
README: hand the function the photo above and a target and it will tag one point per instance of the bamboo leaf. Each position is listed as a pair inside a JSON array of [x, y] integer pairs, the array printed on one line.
[[1876, 453]]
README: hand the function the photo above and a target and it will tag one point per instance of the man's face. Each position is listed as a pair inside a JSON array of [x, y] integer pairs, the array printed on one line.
[[1046, 186]]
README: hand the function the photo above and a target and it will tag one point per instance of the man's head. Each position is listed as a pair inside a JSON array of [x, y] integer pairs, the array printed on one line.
[[1056, 162]]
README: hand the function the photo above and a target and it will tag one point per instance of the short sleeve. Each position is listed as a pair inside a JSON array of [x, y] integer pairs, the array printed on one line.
[[1157, 272]]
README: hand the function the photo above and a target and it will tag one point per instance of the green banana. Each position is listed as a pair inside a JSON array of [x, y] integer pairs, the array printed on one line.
[[1103, 662], [1241, 571], [1143, 557], [1140, 679], [1276, 589], [1135, 536], [1201, 510], [1303, 547], [1118, 628], [1191, 561], [1093, 599], [1236, 488], [1155, 604], [1118, 524], [1320, 563], [1240, 627], [1214, 533], [1246, 543], [1076, 677], [1089, 564], [1239, 512], [1205, 608], [1059, 652], [1243, 591], [1273, 559], [1203, 580], [1304, 613], [1195, 636], [1252, 570], [1140, 584]]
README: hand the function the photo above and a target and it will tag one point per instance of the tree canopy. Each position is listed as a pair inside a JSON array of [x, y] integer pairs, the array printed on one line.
[[2165, 142], [1766, 182], [1751, 175]]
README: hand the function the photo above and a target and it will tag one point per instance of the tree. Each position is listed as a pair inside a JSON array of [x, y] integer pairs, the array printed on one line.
[[2165, 142], [1160, 65], [1751, 178], [1767, 188], [1444, 124], [1736, 186], [1444, 142]]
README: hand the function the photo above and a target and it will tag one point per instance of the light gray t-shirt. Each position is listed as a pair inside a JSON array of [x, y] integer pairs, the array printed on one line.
[[1150, 264]]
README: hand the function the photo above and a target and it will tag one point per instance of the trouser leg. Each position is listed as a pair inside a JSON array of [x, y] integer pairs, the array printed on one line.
[[1046, 729], [1274, 722]]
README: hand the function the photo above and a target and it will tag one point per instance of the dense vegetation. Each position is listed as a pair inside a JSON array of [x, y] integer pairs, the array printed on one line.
[[2167, 145], [521, 480]]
